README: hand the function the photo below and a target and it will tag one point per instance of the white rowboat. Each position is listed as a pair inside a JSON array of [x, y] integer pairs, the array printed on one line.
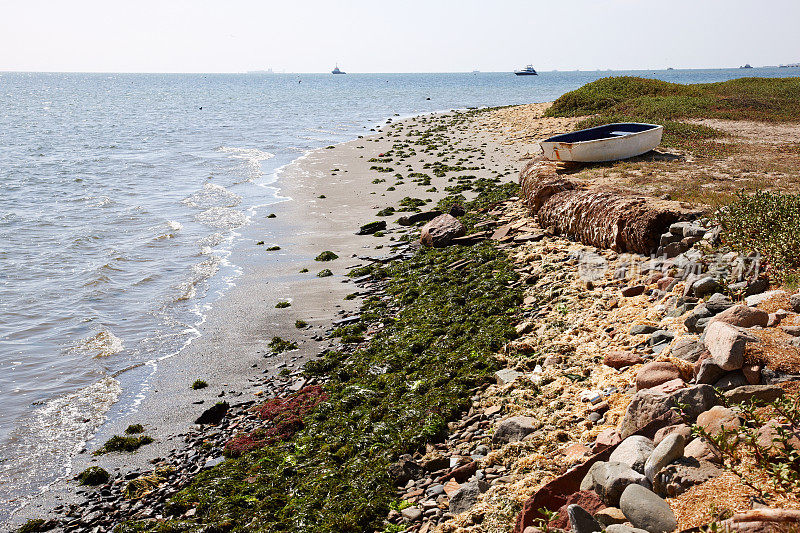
[[610, 142]]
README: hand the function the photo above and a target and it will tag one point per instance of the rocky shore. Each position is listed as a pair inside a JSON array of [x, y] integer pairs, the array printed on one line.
[[610, 404]]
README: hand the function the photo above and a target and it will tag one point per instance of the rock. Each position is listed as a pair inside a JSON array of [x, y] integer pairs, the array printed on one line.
[[665, 283], [214, 414], [656, 373], [506, 376], [515, 429], [608, 437], [743, 316], [642, 329], [634, 452], [464, 498], [610, 516], [635, 290], [702, 451], [718, 418], [726, 344], [794, 302], [757, 393], [435, 462], [581, 521], [687, 348], [752, 373], [718, 303], [411, 514], [622, 528], [462, 473], [588, 500], [695, 317], [372, 227], [731, 380], [705, 286], [662, 433], [776, 437], [668, 450], [680, 476], [646, 510], [608, 480], [422, 216], [707, 371], [620, 359], [650, 404], [441, 230], [757, 299], [660, 337], [404, 470], [763, 520]]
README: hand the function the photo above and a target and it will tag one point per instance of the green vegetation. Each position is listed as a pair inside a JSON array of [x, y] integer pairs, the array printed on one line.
[[94, 475], [630, 99], [273, 248], [389, 211], [35, 525], [300, 324], [327, 472], [327, 255], [118, 443], [324, 273], [765, 223], [199, 384], [279, 345], [134, 429], [282, 304], [303, 270]]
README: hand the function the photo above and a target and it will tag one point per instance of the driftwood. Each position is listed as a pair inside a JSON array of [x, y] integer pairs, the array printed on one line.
[[596, 217]]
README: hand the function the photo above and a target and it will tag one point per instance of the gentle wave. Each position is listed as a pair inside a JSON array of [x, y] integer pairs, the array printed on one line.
[[251, 158], [101, 344]]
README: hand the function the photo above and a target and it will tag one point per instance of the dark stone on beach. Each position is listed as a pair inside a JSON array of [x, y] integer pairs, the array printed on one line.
[[372, 227], [464, 498], [642, 329], [214, 414], [632, 291], [423, 216], [581, 521], [646, 510], [515, 429]]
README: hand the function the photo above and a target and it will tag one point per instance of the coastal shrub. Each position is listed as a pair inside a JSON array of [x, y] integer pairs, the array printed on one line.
[[764, 223], [300, 324], [303, 270], [199, 384], [387, 212], [325, 273], [94, 475], [327, 255], [282, 304], [279, 345], [133, 429], [118, 443], [273, 248]]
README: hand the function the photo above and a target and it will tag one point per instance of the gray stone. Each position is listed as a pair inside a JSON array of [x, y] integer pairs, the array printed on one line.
[[757, 393], [726, 344], [731, 380], [694, 231], [515, 429], [642, 329], [622, 528], [464, 498], [581, 521], [411, 514], [756, 299], [709, 372], [794, 302], [668, 238], [667, 451], [649, 404], [701, 450], [507, 375], [660, 337], [678, 228], [634, 452], [718, 303], [608, 480], [705, 286], [699, 313], [687, 348], [646, 510]]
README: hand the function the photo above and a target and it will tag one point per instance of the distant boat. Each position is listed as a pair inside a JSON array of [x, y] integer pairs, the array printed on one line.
[[603, 143], [527, 71], [337, 71], [670, 68], [746, 65]]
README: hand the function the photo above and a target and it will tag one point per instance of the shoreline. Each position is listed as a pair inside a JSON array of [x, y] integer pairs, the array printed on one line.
[[334, 222]]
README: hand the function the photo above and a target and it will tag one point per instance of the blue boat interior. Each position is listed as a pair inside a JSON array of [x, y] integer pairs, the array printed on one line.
[[609, 131]]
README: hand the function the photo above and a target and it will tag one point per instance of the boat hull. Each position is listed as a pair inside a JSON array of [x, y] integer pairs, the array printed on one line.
[[605, 149], [526, 73]]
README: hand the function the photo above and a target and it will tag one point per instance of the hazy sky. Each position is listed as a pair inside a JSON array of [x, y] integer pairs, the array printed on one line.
[[397, 36]]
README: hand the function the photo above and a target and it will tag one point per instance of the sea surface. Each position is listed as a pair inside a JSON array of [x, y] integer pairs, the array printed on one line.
[[122, 197]]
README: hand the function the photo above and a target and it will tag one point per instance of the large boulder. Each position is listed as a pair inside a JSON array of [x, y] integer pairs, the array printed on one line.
[[667, 451], [755, 393], [608, 480], [515, 429], [655, 373], [717, 419], [657, 403], [581, 521], [465, 497], [646, 510], [727, 345], [441, 230]]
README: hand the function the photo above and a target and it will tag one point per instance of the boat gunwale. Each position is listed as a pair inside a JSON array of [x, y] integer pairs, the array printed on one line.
[[618, 137]]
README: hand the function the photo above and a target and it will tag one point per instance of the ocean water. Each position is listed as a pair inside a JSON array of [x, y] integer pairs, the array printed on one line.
[[121, 198]]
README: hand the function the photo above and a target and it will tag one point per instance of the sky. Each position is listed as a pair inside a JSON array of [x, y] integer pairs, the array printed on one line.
[[397, 36]]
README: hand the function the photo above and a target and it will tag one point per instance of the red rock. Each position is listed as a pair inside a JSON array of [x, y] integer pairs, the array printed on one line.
[[752, 373], [726, 344], [621, 359], [653, 374], [743, 317], [663, 283], [441, 230], [608, 437], [587, 499], [718, 418], [770, 438], [654, 277], [662, 433], [774, 320], [462, 473], [575, 452], [635, 290]]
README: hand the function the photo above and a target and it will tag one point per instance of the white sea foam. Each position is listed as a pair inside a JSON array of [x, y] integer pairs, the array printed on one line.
[[251, 159], [101, 344]]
